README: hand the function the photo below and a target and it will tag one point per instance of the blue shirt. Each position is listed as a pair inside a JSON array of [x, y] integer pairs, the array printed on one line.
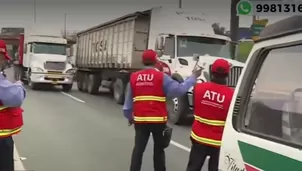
[[171, 88], [11, 94]]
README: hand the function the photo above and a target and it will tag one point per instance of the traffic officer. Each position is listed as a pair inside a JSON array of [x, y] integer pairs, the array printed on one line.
[[211, 104], [11, 98], [145, 106]]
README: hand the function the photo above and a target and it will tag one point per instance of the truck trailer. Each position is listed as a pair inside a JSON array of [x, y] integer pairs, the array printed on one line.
[[107, 54]]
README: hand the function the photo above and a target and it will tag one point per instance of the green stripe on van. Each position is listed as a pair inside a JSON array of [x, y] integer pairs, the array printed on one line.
[[267, 160]]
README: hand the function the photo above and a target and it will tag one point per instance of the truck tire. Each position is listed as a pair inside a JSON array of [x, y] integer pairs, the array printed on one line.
[[178, 108], [33, 86], [67, 87], [93, 83], [85, 80], [119, 91], [80, 81]]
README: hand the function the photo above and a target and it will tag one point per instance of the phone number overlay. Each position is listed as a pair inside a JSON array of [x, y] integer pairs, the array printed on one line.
[[268, 8]]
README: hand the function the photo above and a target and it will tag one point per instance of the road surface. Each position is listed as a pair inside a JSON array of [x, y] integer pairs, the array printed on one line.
[[78, 131]]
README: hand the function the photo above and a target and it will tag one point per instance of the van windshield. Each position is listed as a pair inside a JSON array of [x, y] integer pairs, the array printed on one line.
[[189, 45], [49, 48]]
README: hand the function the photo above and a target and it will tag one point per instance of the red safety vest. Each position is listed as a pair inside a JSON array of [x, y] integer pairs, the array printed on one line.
[[11, 120], [149, 101], [211, 105]]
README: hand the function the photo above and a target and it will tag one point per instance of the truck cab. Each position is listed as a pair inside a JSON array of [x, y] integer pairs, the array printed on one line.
[[176, 51], [45, 62]]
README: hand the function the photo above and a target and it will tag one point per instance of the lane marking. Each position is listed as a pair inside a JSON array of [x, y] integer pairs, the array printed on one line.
[[74, 98], [17, 160], [176, 144]]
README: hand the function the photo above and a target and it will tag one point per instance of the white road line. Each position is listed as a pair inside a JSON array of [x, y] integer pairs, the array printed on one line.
[[176, 144], [18, 163], [74, 98]]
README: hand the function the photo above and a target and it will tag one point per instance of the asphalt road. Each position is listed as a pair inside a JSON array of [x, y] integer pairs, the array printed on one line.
[[78, 131]]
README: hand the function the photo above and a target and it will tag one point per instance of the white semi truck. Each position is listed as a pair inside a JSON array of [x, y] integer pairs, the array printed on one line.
[[44, 61], [108, 53]]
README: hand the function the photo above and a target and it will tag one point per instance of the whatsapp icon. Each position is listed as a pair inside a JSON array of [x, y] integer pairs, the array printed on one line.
[[244, 7]]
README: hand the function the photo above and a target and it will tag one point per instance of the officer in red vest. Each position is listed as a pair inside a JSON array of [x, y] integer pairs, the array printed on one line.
[[11, 98], [145, 105], [211, 105]]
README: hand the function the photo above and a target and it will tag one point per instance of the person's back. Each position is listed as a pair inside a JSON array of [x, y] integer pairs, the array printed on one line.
[[148, 96], [214, 104]]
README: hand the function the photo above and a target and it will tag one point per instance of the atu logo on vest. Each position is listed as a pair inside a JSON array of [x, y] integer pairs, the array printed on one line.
[[145, 80], [214, 96]]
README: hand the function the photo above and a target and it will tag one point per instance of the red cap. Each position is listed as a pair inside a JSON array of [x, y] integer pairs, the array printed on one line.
[[3, 50], [149, 55], [220, 66]]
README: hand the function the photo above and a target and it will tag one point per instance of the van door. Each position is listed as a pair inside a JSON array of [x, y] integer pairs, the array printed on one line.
[[264, 131]]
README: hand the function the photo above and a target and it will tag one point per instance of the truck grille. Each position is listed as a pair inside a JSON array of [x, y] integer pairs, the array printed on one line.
[[233, 75], [54, 65]]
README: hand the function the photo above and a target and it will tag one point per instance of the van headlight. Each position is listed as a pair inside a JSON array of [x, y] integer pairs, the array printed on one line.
[[70, 71], [37, 69]]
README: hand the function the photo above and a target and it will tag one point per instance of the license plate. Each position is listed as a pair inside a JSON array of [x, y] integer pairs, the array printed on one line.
[[54, 76], [54, 82]]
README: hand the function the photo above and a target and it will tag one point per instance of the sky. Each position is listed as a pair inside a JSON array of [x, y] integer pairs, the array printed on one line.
[[82, 14]]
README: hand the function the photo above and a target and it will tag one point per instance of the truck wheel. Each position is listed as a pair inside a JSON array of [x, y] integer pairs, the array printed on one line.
[[80, 81], [93, 83], [33, 86], [85, 80], [67, 87], [178, 108], [119, 91]]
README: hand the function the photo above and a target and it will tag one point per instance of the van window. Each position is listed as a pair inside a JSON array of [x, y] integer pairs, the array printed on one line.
[[275, 104]]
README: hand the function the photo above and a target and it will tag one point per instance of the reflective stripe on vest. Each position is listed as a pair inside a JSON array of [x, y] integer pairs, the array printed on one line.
[[149, 98], [2, 107], [205, 140], [150, 119], [209, 122], [8, 132]]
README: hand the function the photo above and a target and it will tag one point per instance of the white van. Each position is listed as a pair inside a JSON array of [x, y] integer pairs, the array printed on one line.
[[263, 130]]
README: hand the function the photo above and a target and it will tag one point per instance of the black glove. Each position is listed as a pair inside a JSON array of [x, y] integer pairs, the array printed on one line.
[[3, 73]]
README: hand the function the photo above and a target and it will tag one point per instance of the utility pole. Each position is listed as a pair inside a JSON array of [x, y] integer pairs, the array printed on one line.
[[35, 12], [65, 20], [180, 3], [234, 25]]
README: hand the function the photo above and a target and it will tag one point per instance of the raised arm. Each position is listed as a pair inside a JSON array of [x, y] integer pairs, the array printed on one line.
[[175, 89], [11, 94]]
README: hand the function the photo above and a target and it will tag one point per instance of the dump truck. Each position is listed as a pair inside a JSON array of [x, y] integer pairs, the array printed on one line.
[[108, 53]]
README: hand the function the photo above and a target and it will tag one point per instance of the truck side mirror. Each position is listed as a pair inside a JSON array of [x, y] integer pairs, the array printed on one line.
[[159, 53], [159, 43]]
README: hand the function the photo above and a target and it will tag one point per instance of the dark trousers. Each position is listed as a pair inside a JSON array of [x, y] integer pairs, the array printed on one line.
[[142, 133], [7, 154], [198, 155]]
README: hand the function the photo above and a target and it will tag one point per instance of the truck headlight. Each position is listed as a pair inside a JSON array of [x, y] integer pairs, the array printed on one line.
[[37, 69], [70, 71]]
